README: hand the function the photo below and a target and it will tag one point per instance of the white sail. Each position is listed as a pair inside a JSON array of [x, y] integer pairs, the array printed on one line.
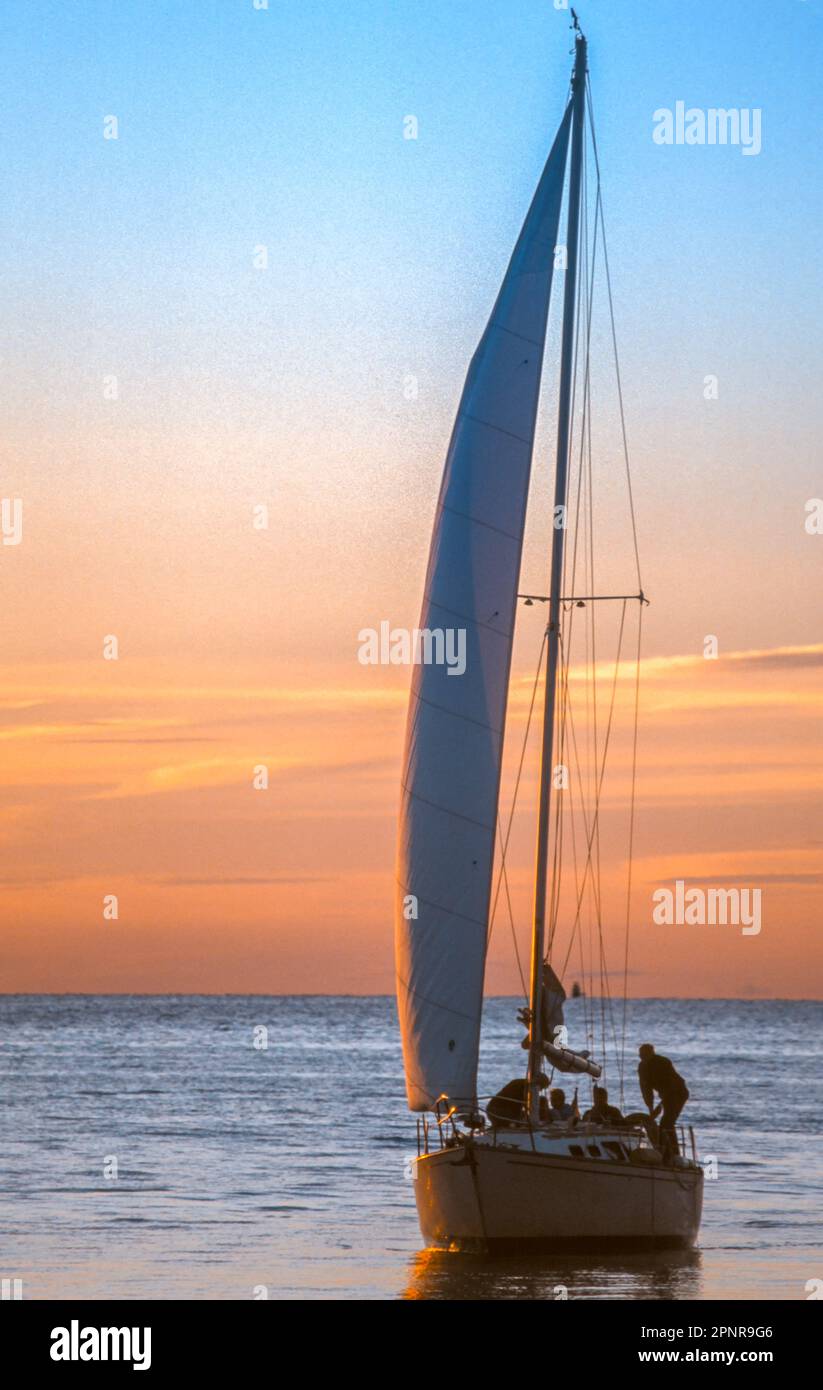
[[454, 736]]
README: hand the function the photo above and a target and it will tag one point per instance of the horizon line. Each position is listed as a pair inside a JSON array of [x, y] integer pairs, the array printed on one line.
[[264, 994]]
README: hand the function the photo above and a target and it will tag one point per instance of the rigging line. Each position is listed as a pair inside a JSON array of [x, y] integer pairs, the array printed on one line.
[[584, 974], [559, 826], [577, 934], [619, 382], [591, 624], [557, 849], [566, 561], [560, 835], [590, 108], [601, 770], [565, 708], [577, 882], [505, 842], [605, 752], [503, 871], [631, 836], [578, 766], [588, 835], [609, 1009], [595, 887], [583, 491], [587, 1011], [585, 440], [503, 876], [584, 477], [559, 809], [504, 847], [588, 282], [557, 860], [557, 837], [558, 844], [595, 883], [586, 491], [559, 823]]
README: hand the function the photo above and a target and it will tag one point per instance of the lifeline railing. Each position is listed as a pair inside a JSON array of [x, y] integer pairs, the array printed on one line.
[[446, 1130], [447, 1134]]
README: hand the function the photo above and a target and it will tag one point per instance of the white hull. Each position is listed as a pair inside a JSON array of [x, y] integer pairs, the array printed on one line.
[[478, 1196]]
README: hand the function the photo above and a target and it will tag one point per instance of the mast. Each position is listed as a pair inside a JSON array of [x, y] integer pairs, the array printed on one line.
[[558, 538]]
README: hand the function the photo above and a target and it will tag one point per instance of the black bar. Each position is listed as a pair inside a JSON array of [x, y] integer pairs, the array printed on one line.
[[587, 1335]]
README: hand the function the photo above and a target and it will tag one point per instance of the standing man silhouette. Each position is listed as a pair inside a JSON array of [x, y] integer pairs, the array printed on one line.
[[656, 1073]]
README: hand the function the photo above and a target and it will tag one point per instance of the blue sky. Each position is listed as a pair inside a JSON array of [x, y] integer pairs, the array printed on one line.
[[284, 127]]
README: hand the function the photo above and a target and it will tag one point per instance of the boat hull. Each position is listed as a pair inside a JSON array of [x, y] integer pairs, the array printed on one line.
[[482, 1198]]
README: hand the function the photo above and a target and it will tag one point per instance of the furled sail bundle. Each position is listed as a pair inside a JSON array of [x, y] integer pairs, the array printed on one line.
[[553, 997], [454, 736], [553, 1032]]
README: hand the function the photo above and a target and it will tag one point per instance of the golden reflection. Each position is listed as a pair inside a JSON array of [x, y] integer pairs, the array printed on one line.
[[439, 1274]]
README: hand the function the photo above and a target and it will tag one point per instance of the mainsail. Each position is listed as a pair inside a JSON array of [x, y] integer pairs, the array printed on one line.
[[454, 736]]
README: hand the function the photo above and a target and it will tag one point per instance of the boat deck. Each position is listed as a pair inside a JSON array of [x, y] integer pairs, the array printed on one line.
[[630, 1144]]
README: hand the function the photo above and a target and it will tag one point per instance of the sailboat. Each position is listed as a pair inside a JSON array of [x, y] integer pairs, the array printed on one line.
[[531, 1183]]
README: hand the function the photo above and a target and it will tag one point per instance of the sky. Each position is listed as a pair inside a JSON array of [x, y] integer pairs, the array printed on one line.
[[220, 311]]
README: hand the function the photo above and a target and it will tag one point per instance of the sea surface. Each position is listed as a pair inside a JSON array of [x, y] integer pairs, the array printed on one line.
[[152, 1147]]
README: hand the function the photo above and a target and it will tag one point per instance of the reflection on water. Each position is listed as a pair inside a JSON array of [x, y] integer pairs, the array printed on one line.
[[288, 1167], [663, 1274]]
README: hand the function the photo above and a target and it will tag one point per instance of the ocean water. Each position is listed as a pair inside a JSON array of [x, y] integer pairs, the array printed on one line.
[[150, 1149]]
